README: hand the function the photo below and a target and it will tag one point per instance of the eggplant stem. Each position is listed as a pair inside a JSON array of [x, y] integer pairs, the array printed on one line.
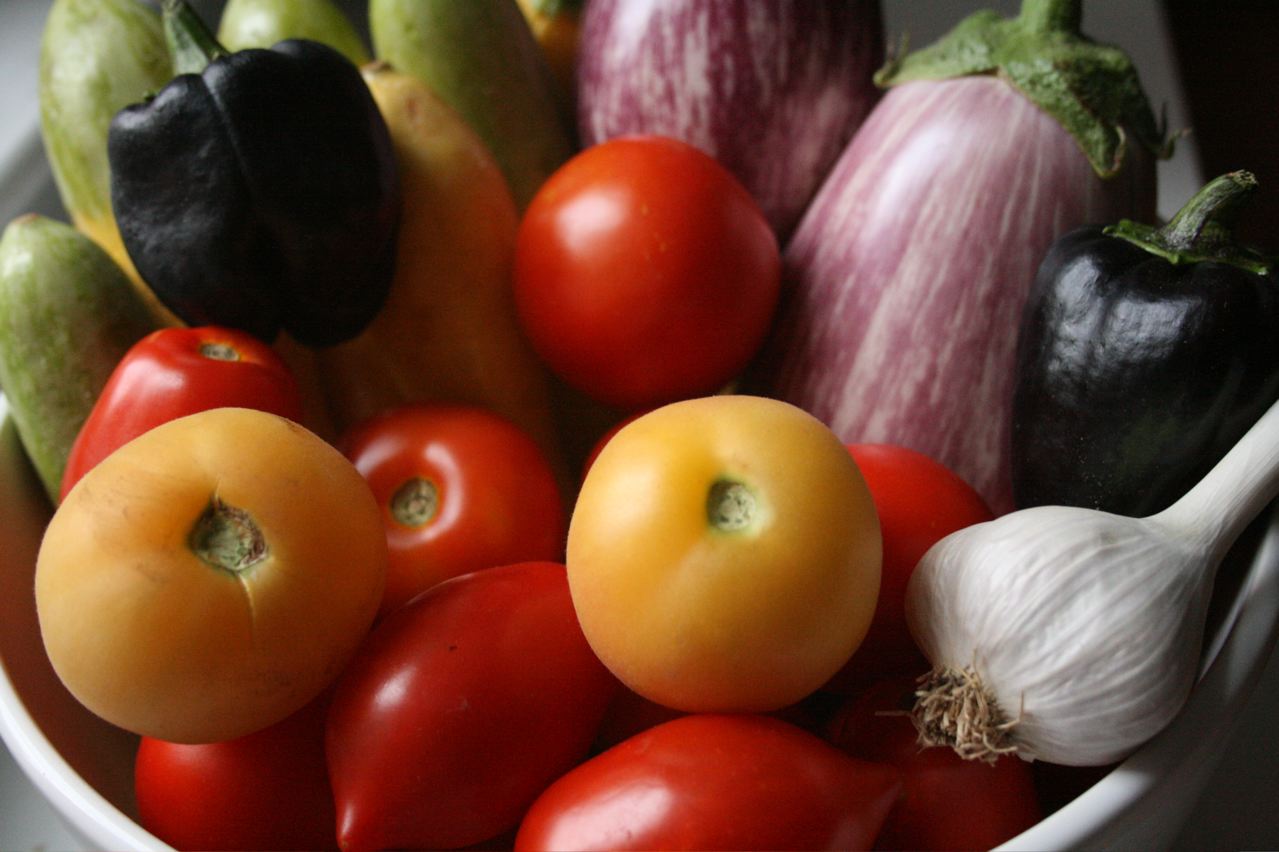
[[191, 43], [1046, 16]]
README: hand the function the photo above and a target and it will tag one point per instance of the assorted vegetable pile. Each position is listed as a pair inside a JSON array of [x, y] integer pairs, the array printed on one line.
[[612, 424]]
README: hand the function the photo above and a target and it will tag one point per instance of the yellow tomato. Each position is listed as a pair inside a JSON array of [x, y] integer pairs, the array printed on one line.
[[724, 554], [210, 577]]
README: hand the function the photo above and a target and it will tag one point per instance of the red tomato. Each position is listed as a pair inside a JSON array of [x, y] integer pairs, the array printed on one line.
[[266, 790], [178, 371], [946, 802], [714, 782], [463, 705], [461, 489], [919, 502], [645, 272]]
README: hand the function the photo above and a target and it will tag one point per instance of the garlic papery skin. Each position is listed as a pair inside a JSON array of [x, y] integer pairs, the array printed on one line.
[[1079, 630]]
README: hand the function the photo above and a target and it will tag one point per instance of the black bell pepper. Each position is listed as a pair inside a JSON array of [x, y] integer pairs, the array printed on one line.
[[258, 189], [1145, 354]]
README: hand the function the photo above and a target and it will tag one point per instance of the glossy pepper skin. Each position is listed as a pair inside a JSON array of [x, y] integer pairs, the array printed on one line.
[[261, 193], [1144, 356]]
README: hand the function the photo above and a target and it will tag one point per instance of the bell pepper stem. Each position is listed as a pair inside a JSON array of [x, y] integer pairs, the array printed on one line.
[[1211, 212], [1203, 229], [1045, 16], [191, 42]]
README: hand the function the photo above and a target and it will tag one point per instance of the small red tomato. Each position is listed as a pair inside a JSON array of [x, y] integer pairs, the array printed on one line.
[[714, 782], [267, 790], [645, 272], [462, 706], [461, 489], [178, 371], [946, 802], [919, 501]]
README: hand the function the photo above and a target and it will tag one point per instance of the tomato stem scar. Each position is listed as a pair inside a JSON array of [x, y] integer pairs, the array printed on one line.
[[217, 351], [730, 506], [226, 537], [415, 502]]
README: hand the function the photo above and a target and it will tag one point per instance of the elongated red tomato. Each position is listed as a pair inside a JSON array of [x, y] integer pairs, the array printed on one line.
[[946, 802], [919, 501], [265, 790], [461, 489], [463, 705], [714, 782], [173, 372], [645, 272]]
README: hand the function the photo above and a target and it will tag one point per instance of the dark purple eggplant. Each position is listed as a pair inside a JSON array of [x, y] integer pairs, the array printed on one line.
[[905, 281], [773, 89]]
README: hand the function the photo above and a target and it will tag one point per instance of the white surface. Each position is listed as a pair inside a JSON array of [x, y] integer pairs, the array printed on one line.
[[26, 819], [1237, 810]]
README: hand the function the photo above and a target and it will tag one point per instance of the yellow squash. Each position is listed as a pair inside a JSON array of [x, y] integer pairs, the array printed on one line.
[[448, 331]]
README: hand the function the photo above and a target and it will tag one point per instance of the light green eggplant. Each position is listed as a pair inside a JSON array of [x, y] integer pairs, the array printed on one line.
[[262, 23], [96, 57], [68, 314], [482, 59]]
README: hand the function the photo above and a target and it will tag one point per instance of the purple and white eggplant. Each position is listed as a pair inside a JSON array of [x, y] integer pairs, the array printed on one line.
[[907, 277], [773, 89]]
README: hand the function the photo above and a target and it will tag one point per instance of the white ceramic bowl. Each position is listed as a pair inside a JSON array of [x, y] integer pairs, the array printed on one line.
[[84, 766]]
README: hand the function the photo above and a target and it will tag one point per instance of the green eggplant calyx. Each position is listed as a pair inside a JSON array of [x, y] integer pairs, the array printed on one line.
[[1202, 230], [1092, 89], [191, 43]]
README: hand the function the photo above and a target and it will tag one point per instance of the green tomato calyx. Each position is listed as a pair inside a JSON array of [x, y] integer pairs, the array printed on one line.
[[226, 538], [730, 506], [218, 351], [415, 502]]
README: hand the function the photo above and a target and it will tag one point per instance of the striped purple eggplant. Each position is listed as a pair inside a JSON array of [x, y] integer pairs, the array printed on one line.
[[773, 89], [906, 279]]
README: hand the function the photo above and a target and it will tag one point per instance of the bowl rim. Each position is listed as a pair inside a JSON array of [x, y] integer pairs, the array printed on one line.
[[1235, 658], [85, 811]]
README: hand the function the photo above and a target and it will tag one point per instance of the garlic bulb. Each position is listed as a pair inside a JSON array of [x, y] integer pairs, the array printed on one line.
[[1072, 635]]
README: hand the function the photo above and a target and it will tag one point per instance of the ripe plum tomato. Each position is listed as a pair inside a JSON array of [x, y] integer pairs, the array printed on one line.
[[461, 707], [645, 272], [714, 782], [946, 802], [724, 554], [919, 501], [210, 577], [460, 489], [265, 790], [177, 371]]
